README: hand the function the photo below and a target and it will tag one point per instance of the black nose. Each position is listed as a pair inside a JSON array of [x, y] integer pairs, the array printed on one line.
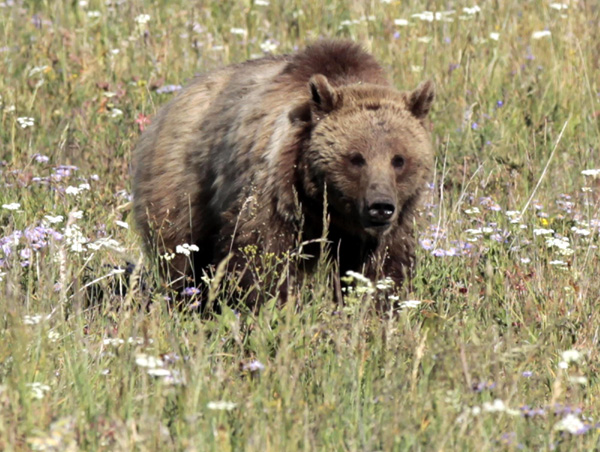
[[381, 212]]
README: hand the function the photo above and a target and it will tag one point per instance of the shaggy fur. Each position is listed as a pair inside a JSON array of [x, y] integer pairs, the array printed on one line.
[[246, 155]]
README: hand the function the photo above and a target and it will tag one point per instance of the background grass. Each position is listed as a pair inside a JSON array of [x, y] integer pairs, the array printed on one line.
[[508, 268]]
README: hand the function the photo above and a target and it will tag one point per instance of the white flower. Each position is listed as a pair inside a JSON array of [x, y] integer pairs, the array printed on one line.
[[558, 6], [158, 372], [221, 405], [591, 172], [558, 263], [401, 22], [114, 341], [94, 14], [497, 405], [495, 36], [578, 379], [580, 231], [410, 304], [38, 390], [11, 206], [540, 34], [53, 336], [570, 423], [116, 112], [144, 360], [269, 46], [32, 319], [76, 215], [571, 356], [254, 366], [543, 231], [238, 31], [261, 2], [186, 249], [471, 11], [54, 219], [142, 19], [25, 122], [424, 39], [429, 16], [472, 211], [562, 244], [359, 277], [122, 224]]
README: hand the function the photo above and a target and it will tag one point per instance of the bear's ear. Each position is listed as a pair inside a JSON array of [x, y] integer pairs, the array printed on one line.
[[323, 96], [420, 100]]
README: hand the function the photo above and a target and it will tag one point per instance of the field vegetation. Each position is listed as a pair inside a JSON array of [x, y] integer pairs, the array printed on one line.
[[496, 344]]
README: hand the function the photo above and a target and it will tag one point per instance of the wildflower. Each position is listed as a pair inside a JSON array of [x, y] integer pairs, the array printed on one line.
[[571, 424], [495, 36], [142, 19], [39, 158], [254, 366], [429, 16], [558, 263], [578, 379], [114, 341], [401, 22], [527, 374], [238, 31], [498, 406], [471, 11], [190, 291], [561, 243], [94, 14], [269, 46], [410, 304], [580, 231], [168, 89], [571, 356], [540, 34], [144, 360], [25, 122], [53, 336], [142, 120], [122, 224], [38, 390], [472, 211], [54, 219], [261, 2], [32, 319], [186, 249], [542, 231], [221, 405], [558, 6], [591, 172], [11, 206], [116, 112]]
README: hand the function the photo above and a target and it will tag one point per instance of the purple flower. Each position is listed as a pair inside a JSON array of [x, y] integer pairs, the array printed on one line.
[[527, 374], [41, 158], [191, 291], [167, 89], [474, 126], [254, 366], [438, 252], [499, 104]]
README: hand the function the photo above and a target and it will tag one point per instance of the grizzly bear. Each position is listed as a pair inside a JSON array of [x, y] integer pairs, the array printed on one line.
[[263, 153]]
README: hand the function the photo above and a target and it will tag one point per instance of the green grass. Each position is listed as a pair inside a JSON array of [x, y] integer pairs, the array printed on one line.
[[445, 375]]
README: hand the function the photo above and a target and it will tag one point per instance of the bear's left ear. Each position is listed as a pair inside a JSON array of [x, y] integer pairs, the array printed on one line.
[[420, 100], [323, 96]]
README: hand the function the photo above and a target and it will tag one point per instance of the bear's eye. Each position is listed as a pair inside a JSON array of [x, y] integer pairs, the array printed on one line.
[[357, 160], [398, 161]]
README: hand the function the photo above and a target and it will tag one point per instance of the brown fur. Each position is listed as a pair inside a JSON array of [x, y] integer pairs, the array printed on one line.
[[242, 156]]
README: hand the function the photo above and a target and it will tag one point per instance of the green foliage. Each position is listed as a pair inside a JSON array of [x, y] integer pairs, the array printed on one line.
[[472, 358]]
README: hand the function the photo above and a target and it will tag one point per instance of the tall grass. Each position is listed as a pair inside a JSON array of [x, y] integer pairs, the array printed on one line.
[[507, 279]]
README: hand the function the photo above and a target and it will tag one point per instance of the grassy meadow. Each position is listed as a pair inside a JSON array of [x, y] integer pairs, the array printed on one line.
[[496, 346]]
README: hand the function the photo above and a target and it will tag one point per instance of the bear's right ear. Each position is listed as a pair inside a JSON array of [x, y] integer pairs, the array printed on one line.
[[420, 100], [323, 96]]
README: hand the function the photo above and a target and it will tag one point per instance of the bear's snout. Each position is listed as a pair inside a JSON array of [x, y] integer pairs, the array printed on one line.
[[381, 211]]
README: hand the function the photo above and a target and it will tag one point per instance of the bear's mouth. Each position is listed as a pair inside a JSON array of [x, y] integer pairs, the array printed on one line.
[[376, 227]]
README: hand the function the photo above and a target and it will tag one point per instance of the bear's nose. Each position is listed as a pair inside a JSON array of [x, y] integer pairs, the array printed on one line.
[[381, 212]]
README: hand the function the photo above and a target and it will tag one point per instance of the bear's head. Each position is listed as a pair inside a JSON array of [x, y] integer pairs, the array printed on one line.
[[369, 148]]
